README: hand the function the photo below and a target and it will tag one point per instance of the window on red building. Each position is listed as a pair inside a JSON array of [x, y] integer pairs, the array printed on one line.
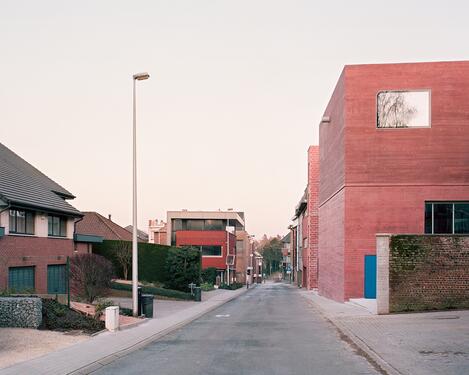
[[447, 218], [403, 109]]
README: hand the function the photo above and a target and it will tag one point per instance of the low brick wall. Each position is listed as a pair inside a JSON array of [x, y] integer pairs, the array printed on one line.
[[23, 312], [428, 272]]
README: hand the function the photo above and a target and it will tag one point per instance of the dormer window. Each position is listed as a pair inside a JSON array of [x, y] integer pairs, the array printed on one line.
[[21, 222]]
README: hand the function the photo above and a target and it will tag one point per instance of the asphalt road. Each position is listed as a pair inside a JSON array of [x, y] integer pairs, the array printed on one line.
[[269, 330]]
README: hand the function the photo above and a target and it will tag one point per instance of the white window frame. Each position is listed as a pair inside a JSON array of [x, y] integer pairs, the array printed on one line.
[[406, 90]]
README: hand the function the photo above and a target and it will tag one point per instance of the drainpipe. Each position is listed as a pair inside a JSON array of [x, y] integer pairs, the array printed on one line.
[[75, 231]]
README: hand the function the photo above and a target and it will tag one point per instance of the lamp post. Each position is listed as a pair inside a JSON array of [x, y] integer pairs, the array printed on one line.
[[136, 77]]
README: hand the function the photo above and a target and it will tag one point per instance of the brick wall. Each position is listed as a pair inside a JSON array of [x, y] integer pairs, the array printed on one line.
[[21, 251], [428, 272], [313, 217], [331, 248], [377, 180]]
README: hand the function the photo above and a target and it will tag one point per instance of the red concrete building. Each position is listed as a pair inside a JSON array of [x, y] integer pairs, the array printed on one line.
[[213, 243], [394, 158], [220, 236]]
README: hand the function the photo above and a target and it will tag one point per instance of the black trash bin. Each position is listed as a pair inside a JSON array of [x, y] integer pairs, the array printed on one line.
[[198, 293], [139, 300], [147, 305]]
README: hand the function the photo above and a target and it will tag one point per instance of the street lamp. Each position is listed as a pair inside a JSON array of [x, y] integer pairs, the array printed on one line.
[[136, 77]]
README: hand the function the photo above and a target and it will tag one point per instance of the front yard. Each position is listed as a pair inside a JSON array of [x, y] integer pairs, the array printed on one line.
[[22, 344]]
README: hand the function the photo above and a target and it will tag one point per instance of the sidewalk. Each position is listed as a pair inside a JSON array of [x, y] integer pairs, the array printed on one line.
[[98, 351], [408, 344]]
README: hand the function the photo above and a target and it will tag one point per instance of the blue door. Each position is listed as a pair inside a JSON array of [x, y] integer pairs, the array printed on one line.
[[370, 276]]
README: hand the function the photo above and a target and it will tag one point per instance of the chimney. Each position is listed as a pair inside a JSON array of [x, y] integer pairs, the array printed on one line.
[[109, 217]]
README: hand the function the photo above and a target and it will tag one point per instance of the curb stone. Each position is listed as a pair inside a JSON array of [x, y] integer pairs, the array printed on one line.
[[96, 365], [384, 367]]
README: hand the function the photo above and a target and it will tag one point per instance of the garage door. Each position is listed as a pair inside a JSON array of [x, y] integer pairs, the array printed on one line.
[[21, 279], [56, 281]]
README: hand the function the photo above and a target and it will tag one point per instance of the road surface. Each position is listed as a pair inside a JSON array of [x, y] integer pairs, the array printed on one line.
[[269, 330]]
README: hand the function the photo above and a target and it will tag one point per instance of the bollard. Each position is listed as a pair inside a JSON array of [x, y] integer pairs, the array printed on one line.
[[112, 318]]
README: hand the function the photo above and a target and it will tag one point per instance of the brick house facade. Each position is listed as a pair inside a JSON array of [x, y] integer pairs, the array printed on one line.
[[390, 169], [305, 251], [37, 228]]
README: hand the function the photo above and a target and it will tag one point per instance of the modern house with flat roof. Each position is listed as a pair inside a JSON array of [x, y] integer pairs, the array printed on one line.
[[220, 236], [394, 158], [37, 228]]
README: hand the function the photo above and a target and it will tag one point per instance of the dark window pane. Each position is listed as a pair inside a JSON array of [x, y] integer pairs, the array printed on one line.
[[211, 250], [12, 221], [20, 222], [177, 225], [49, 230], [213, 224], [461, 218], [55, 225], [29, 223], [428, 218], [63, 227], [195, 225], [443, 218]]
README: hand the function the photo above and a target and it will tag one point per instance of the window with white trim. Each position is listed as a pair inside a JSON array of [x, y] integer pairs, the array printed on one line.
[[404, 109]]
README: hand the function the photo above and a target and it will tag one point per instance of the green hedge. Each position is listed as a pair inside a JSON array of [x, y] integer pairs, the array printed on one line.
[[151, 260], [233, 286], [169, 293]]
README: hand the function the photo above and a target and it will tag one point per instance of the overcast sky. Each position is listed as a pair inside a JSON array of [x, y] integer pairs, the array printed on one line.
[[236, 93]]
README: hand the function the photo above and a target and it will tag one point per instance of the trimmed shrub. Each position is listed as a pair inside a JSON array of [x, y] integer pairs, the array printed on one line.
[[90, 276], [207, 287], [151, 259], [126, 311], [209, 275], [168, 293], [233, 286], [184, 265], [56, 316]]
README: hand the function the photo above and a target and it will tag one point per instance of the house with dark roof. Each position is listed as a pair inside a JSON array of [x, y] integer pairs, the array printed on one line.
[[37, 228], [94, 224], [141, 235]]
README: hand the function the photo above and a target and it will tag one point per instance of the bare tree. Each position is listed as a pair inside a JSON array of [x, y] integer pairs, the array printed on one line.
[[123, 254], [90, 276], [393, 110]]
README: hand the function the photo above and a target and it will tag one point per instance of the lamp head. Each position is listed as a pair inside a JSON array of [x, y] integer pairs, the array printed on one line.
[[141, 76]]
